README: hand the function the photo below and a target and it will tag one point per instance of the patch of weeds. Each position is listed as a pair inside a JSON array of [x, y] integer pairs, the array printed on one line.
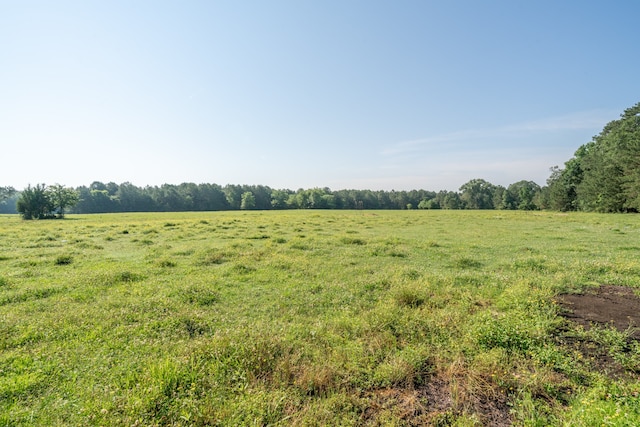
[[4, 283], [185, 252], [88, 245], [411, 274], [212, 257], [501, 333], [527, 249], [280, 240], [242, 269], [126, 277], [352, 241], [169, 224], [444, 418], [391, 251], [193, 327], [409, 297], [166, 263], [315, 289], [63, 260], [531, 264], [300, 246], [199, 295], [316, 380], [381, 285], [466, 262], [29, 295]]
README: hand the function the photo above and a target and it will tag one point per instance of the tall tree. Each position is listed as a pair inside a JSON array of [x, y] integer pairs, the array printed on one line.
[[611, 180], [477, 194], [520, 195], [248, 200], [62, 198], [34, 203], [6, 192]]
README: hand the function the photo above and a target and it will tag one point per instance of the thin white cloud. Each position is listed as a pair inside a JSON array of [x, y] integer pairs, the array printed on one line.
[[469, 138]]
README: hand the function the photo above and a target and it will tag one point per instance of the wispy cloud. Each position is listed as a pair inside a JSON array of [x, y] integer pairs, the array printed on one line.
[[499, 136]]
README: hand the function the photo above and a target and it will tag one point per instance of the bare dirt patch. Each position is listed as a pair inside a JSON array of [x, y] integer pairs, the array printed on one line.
[[604, 307], [608, 306]]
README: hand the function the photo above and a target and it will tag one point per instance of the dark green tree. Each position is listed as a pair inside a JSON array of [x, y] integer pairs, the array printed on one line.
[[477, 194], [279, 199], [604, 174], [520, 195], [34, 203], [563, 183], [449, 200]]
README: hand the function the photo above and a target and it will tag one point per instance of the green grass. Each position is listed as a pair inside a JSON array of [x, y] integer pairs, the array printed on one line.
[[308, 318]]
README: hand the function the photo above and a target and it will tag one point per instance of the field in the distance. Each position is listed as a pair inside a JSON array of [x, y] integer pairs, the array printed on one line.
[[314, 318]]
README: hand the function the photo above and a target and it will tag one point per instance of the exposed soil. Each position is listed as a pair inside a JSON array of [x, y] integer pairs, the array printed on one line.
[[608, 306], [605, 307]]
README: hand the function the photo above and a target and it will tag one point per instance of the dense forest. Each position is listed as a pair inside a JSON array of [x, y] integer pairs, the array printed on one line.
[[126, 197], [603, 176]]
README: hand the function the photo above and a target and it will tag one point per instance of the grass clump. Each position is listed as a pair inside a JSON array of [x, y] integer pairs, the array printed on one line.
[[63, 260], [199, 295]]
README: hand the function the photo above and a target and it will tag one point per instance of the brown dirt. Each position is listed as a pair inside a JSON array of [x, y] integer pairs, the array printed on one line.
[[605, 307], [615, 306]]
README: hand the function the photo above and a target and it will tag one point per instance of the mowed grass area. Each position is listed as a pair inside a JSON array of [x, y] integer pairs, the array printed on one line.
[[311, 318]]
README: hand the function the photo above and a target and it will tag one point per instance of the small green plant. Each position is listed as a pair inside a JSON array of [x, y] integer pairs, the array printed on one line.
[[199, 295], [410, 297], [352, 241], [63, 260]]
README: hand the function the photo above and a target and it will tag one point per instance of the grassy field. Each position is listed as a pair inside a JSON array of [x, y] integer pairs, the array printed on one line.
[[312, 318]]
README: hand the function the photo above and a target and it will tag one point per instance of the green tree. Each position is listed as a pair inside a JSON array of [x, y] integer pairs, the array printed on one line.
[[477, 194], [279, 199], [429, 204], [449, 200], [34, 203], [61, 198], [248, 200], [604, 174], [520, 195], [233, 194], [5, 193], [611, 181]]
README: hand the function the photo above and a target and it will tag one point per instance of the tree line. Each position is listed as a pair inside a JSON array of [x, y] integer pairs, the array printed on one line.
[[603, 176], [41, 201]]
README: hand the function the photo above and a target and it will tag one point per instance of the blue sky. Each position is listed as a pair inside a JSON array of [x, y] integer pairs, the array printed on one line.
[[299, 94]]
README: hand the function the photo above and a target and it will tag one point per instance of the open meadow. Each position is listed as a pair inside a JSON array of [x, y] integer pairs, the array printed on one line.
[[306, 317]]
